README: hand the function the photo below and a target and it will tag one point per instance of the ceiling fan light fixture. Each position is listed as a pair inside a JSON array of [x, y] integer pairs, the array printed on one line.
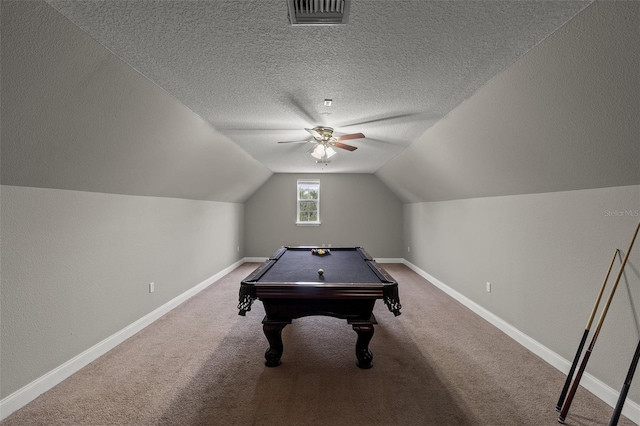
[[319, 151], [325, 142]]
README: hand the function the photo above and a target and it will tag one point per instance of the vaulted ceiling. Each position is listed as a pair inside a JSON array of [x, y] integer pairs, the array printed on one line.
[[190, 98], [394, 70]]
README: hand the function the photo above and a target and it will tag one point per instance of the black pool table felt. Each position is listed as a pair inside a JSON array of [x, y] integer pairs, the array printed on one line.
[[300, 265]]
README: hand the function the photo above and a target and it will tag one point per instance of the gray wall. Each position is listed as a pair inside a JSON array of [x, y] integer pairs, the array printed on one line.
[[355, 210], [76, 267], [546, 256], [557, 125], [76, 259]]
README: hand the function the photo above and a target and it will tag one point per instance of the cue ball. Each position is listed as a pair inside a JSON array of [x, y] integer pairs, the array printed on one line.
[[320, 272]]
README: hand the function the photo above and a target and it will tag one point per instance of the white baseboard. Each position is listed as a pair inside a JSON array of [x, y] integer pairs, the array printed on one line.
[[23, 396], [607, 394], [28, 393]]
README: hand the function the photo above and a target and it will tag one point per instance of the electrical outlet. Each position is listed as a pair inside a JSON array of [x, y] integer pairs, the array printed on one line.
[[408, 249], [152, 287], [238, 249], [488, 287]]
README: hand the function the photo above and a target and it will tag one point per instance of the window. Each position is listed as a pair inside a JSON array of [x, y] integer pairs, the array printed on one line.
[[308, 202]]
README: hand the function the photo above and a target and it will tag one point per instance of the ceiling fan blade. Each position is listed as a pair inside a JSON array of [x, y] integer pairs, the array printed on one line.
[[350, 136], [396, 119], [295, 141], [314, 133], [344, 146], [296, 104]]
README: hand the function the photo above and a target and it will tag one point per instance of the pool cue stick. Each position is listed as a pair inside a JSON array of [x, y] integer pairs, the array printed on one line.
[[585, 359], [572, 370], [625, 388]]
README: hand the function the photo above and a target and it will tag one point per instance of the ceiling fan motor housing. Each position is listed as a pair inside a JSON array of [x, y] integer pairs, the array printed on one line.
[[326, 133]]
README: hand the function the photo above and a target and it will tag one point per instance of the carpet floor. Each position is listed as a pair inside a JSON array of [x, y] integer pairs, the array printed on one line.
[[203, 364]]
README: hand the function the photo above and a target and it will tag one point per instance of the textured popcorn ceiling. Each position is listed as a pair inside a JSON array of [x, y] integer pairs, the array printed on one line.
[[393, 71]]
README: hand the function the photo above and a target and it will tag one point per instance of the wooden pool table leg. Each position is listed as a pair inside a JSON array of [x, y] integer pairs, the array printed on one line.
[[364, 355], [273, 332]]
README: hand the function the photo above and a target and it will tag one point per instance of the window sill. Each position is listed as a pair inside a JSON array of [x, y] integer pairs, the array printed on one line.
[[308, 223]]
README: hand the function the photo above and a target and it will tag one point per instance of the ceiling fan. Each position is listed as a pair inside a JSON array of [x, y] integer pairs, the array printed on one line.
[[325, 141]]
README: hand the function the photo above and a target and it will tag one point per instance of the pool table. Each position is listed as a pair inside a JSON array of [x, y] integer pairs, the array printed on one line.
[[290, 286]]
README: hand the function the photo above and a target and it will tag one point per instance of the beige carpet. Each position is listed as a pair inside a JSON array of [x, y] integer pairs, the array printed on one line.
[[202, 364]]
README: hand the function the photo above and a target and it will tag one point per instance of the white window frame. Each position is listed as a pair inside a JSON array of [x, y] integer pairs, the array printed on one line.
[[299, 200]]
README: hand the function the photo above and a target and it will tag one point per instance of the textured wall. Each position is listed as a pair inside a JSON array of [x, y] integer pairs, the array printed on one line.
[[355, 210], [76, 267], [546, 256]]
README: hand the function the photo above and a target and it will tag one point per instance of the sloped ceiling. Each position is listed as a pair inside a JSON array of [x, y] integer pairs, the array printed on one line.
[[396, 68], [564, 117], [76, 117], [189, 98]]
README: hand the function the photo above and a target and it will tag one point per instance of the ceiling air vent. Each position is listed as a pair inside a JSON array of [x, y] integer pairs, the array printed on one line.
[[318, 12]]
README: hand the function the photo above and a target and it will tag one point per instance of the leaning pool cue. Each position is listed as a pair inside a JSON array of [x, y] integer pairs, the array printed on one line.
[[572, 370], [625, 388], [585, 359]]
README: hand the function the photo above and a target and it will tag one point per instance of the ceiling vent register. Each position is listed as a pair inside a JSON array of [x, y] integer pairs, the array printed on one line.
[[318, 12]]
